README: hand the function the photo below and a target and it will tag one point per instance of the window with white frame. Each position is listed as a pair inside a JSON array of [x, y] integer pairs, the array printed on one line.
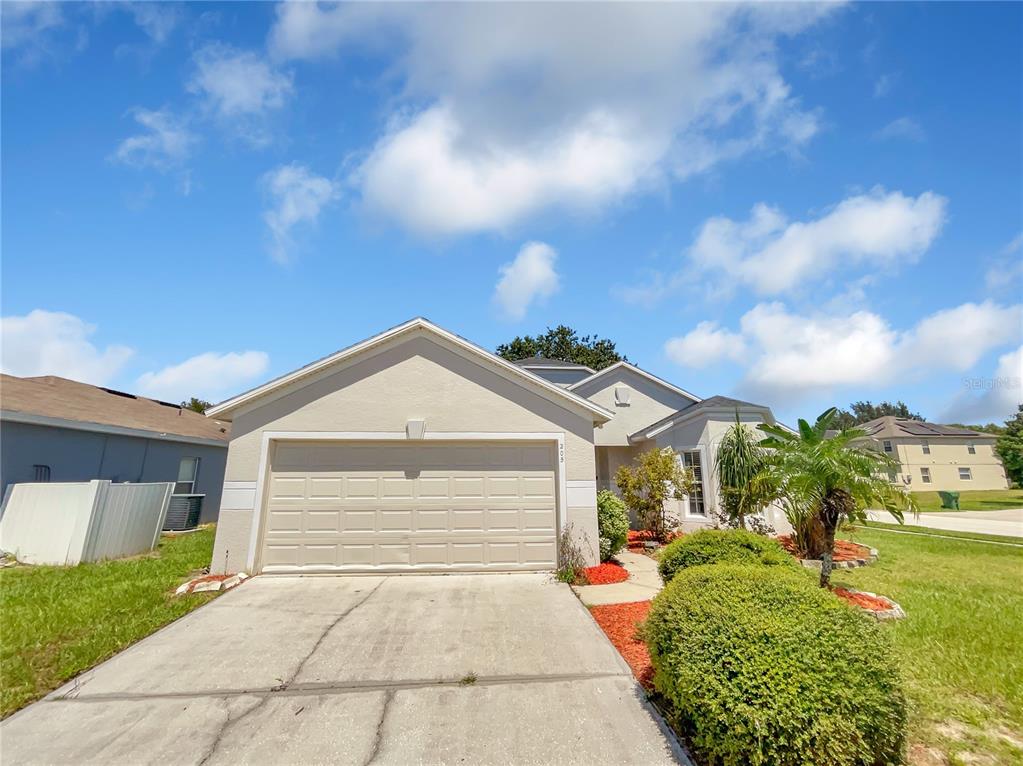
[[925, 475], [697, 503], [926, 446], [887, 445], [965, 474], [188, 471], [971, 448]]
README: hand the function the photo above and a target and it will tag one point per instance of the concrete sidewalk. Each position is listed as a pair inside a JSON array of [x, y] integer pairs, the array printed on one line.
[[459, 669], [643, 584], [1008, 523]]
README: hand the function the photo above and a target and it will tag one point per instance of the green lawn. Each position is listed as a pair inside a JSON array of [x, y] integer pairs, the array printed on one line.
[[973, 500], [56, 622], [960, 644]]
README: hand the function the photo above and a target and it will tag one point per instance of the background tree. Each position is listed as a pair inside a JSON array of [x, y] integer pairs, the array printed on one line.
[[744, 476], [1010, 447], [831, 480], [864, 412], [657, 476], [197, 405], [565, 344]]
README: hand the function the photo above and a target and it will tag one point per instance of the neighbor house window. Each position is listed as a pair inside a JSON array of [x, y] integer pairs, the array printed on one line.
[[697, 503], [188, 470], [41, 473], [971, 448], [965, 474], [926, 447], [925, 474], [887, 446]]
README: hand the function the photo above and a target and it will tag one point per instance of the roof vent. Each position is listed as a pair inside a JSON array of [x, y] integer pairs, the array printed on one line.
[[414, 429], [622, 396]]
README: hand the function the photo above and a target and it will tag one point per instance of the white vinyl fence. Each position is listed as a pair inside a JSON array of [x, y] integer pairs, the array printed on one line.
[[68, 523]]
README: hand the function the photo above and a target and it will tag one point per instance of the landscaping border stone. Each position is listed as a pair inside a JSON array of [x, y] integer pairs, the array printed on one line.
[[817, 563], [895, 613]]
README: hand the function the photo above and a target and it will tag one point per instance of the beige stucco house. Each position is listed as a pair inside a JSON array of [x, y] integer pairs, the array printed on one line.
[[418, 451], [937, 457]]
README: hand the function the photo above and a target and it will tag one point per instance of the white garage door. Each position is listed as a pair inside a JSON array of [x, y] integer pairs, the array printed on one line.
[[410, 506]]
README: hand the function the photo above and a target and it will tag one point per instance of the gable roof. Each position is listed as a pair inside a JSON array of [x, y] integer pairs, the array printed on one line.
[[50, 400], [711, 403], [892, 426], [552, 364], [633, 368], [468, 349]]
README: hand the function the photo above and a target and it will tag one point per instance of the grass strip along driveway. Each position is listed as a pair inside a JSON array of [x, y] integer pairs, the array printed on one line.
[[56, 622], [960, 643], [973, 500]]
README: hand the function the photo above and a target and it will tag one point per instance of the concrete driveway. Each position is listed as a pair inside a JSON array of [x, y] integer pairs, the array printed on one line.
[[1008, 522], [357, 670]]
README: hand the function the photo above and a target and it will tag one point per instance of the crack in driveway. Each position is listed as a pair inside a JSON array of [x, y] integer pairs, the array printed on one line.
[[283, 687], [378, 738]]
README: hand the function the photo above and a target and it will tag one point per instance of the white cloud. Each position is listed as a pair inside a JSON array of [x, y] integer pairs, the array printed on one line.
[[990, 399], [208, 376], [1006, 272], [508, 111], [527, 279], [165, 143], [298, 196], [772, 255], [157, 20], [704, 345], [791, 355], [903, 127], [32, 31], [56, 343], [240, 88], [884, 84]]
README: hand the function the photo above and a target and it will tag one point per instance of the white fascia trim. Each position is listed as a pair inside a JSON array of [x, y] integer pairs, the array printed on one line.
[[418, 323], [575, 368], [709, 411], [104, 428], [270, 436], [642, 373]]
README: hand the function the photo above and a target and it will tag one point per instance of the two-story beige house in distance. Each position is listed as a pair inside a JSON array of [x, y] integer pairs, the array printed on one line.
[[936, 457]]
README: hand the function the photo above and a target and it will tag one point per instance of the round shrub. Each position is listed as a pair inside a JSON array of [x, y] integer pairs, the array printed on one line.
[[762, 667], [612, 524], [710, 546]]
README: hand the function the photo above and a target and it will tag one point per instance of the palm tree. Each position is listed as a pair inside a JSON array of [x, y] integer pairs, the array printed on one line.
[[747, 484], [832, 480]]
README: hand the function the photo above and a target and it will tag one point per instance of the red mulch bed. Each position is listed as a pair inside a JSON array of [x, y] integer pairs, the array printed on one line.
[[606, 573], [844, 550], [862, 600], [619, 622]]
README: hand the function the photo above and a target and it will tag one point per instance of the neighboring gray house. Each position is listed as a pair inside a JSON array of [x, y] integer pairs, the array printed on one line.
[[54, 429]]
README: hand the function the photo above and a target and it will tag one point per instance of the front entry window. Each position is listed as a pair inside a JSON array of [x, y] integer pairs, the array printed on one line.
[[697, 504]]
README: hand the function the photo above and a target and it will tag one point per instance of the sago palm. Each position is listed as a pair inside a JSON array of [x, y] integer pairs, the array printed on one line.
[[833, 479]]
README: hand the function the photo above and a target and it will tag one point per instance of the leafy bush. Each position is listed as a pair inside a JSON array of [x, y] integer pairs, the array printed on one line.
[[762, 667], [612, 523], [710, 546]]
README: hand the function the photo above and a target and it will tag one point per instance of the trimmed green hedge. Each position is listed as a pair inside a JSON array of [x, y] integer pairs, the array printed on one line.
[[612, 524], [710, 546], [762, 667]]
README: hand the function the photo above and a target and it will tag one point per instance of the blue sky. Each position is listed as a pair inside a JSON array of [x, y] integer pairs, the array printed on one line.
[[800, 205]]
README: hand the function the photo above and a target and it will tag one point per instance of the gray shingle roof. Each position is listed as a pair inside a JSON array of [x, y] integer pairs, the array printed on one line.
[[710, 403], [539, 361], [891, 426]]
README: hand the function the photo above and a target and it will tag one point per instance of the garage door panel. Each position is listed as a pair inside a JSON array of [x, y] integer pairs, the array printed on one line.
[[410, 507]]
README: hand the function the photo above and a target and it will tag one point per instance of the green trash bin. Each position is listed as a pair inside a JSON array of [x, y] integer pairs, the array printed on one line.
[[949, 500]]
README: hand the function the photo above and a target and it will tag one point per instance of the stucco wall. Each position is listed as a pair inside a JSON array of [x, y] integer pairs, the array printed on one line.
[[648, 403], [946, 458], [75, 455], [412, 378]]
